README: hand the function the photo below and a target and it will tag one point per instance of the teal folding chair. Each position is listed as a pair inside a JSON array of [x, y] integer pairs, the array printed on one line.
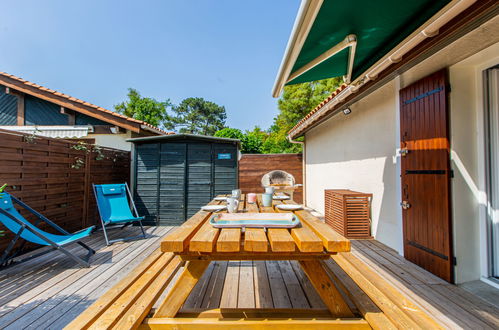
[[115, 205], [29, 232]]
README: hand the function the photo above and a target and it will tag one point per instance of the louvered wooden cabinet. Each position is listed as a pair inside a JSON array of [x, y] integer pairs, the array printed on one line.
[[348, 212]]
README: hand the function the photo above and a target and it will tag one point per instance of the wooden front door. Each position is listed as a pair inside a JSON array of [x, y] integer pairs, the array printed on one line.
[[425, 166]]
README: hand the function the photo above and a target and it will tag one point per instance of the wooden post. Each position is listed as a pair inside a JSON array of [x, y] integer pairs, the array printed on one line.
[[325, 288], [87, 191], [20, 110], [182, 288]]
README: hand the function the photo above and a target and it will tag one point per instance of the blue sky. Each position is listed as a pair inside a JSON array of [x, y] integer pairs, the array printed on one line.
[[226, 51]]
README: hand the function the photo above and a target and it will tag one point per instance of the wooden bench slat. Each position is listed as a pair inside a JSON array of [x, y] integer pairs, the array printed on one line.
[[369, 310], [99, 306], [394, 304], [257, 323], [116, 310], [325, 288], [134, 316], [182, 288]]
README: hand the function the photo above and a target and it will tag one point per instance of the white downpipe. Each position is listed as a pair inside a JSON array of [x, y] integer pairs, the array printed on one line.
[[428, 30]]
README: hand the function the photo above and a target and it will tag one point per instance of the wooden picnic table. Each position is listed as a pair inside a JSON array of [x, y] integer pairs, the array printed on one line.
[[139, 301], [199, 243]]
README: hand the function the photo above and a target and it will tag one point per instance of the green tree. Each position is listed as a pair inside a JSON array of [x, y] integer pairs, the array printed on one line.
[[195, 115], [298, 100], [144, 108], [251, 141], [295, 102], [230, 133]]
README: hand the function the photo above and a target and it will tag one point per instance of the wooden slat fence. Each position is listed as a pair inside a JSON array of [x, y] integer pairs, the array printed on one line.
[[253, 166], [40, 171]]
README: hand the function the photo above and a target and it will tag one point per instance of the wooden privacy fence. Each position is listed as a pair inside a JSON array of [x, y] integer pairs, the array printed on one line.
[[55, 177], [253, 166]]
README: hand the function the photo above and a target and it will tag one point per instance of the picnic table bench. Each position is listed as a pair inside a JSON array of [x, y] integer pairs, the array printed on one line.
[[129, 304]]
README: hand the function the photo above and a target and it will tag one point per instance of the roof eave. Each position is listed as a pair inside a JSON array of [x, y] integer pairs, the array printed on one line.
[[306, 16], [428, 30], [74, 104]]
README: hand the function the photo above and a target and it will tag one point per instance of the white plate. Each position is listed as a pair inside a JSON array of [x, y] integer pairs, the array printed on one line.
[[280, 197], [213, 208], [221, 199], [289, 207]]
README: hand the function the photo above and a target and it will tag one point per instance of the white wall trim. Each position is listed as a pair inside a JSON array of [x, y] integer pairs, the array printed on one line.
[[396, 161], [489, 282], [484, 248]]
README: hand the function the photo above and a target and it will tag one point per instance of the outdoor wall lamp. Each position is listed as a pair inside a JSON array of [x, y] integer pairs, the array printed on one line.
[[347, 111]]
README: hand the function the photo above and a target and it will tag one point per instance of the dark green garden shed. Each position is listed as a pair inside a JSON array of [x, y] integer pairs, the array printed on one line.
[[174, 175]]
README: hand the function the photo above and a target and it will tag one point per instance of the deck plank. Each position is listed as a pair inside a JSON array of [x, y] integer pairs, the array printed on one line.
[[104, 288], [50, 287], [280, 295], [246, 297], [231, 286], [293, 286], [437, 303], [215, 286], [80, 283], [67, 290], [263, 295]]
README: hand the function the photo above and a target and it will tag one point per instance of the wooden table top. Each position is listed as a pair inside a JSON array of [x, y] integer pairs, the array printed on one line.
[[197, 239]]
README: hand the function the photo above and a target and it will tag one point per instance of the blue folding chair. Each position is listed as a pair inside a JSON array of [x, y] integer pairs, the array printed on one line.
[[115, 205], [16, 223]]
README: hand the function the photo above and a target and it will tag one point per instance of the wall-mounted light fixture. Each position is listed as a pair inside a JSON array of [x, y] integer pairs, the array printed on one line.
[[347, 111]]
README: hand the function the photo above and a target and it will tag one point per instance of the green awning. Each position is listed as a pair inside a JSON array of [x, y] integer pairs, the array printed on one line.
[[379, 26]]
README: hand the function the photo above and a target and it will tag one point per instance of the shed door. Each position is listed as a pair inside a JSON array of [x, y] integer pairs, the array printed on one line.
[[199, 177], [172, 184], [424, 125], [146, 184]]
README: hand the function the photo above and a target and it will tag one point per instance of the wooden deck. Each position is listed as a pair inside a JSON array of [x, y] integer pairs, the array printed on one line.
[[452, 306], [50, 291]]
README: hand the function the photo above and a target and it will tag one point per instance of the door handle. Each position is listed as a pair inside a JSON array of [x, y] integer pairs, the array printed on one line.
[[403, 152], [405, 205]]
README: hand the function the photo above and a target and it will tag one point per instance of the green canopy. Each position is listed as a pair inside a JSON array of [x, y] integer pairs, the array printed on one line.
[[378, 25]]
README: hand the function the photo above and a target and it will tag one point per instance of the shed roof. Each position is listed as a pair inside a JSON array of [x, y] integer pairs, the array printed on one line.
[[184, 136]]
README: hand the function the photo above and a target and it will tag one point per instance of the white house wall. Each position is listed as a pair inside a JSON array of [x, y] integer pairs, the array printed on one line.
[[467, 160], [357, 152], [116, 141]]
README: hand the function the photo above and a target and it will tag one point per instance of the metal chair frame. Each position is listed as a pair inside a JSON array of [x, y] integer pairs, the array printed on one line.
[[104, 226], [5, 258]]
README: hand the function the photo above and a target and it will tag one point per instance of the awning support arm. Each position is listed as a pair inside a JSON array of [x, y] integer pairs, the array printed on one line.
[[350, 41]]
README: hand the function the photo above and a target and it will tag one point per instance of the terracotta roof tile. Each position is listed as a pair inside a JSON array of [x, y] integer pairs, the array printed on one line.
[[74, 99], [319, 106]]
